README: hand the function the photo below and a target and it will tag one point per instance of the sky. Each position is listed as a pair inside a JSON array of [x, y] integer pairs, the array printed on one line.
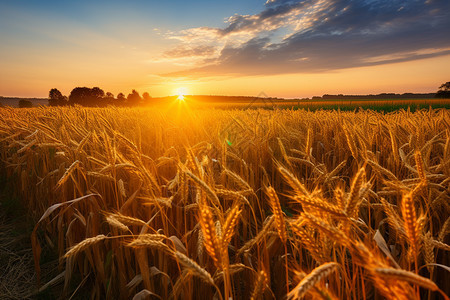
[[284, 48]]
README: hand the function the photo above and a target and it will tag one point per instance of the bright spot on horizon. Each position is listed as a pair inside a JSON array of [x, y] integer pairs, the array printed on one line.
[[181, 92]]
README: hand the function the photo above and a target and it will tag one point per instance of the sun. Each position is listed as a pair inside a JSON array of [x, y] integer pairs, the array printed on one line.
[[181, 92]]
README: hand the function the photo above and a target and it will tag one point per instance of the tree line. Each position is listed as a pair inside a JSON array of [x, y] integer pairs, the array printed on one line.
[[443, 92], [96, 97]]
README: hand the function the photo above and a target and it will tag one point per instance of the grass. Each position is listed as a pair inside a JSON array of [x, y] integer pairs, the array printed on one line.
[[189, 203]]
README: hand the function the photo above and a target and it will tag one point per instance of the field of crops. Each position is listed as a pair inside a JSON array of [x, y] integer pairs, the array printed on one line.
[[379, 105], [234, 204]]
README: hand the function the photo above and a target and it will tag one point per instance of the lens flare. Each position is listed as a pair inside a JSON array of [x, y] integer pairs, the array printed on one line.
[[181, 92]]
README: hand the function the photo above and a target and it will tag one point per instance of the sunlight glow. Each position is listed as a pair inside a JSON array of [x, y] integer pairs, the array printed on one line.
[[181, 92]]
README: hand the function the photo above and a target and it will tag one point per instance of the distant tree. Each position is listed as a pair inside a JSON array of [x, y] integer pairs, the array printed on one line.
[[134, 98], [25, 103], [146, 96], [444, 91], [79, 95], [97, 92], [109, 99], [86, 96], [121, 97], [55, 98]]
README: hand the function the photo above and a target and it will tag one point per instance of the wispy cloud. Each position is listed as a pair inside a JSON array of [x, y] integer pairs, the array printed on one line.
[[186, 50], [315, 36]]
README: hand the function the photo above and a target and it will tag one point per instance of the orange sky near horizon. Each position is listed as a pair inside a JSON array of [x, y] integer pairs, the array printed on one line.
[[419, 76]]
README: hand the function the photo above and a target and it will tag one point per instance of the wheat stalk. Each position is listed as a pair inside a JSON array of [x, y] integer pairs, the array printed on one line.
[[83, 245], [312, 279], [331, 231], [116, 223], [406, 276], [233, 269], [149, 242], [121, 187], [238, 179], [321, 204], [127, 219], [428, 251], [308, 241], [277, 212], [308, 142], [293, 181], [410, 224], [353, 199], [211, 240], [393, 218], [444, 230], [440, 245], [229, 225], [204, 187], [69, 171], [261, 234], [420, 166], [27, 146], [350, 142], [260, 285], [193, 267]]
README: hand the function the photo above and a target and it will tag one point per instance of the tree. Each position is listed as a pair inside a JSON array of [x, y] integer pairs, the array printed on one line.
[[97, 92], [25, 103], [86, 96], [134, 98], [109, 99], [56, 98], [444, 91], [146, 96], [121, 97]]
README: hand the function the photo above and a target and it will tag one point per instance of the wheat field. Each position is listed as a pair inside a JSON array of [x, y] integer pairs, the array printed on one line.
[[235, 204]]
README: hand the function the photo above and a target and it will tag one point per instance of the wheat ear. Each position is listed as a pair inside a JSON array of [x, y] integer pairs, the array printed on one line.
[[260, 285], [116, 223], [406, 276], [210, 239], [353, 199], [66, 174], [312, 279], [83, 245], [293, 181], [277, 212], [420, 165], [193, 267], [410, 221], [229, 225]]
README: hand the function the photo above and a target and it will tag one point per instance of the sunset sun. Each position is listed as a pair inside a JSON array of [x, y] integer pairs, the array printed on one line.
[[181, 92]]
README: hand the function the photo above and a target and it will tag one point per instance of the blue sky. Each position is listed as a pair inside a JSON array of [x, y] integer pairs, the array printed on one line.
[[158, 45]]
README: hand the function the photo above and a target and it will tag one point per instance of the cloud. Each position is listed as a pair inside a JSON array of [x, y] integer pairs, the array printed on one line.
[[186, 50], [320, 35]]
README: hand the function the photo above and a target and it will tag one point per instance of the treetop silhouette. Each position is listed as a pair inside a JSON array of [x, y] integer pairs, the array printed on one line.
[[95, 96]]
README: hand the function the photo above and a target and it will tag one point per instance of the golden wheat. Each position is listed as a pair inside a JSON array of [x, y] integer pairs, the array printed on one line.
[[275, 190], [311, 279]]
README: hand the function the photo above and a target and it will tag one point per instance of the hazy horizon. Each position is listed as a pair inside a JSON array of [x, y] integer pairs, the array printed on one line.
[[218, 95]]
